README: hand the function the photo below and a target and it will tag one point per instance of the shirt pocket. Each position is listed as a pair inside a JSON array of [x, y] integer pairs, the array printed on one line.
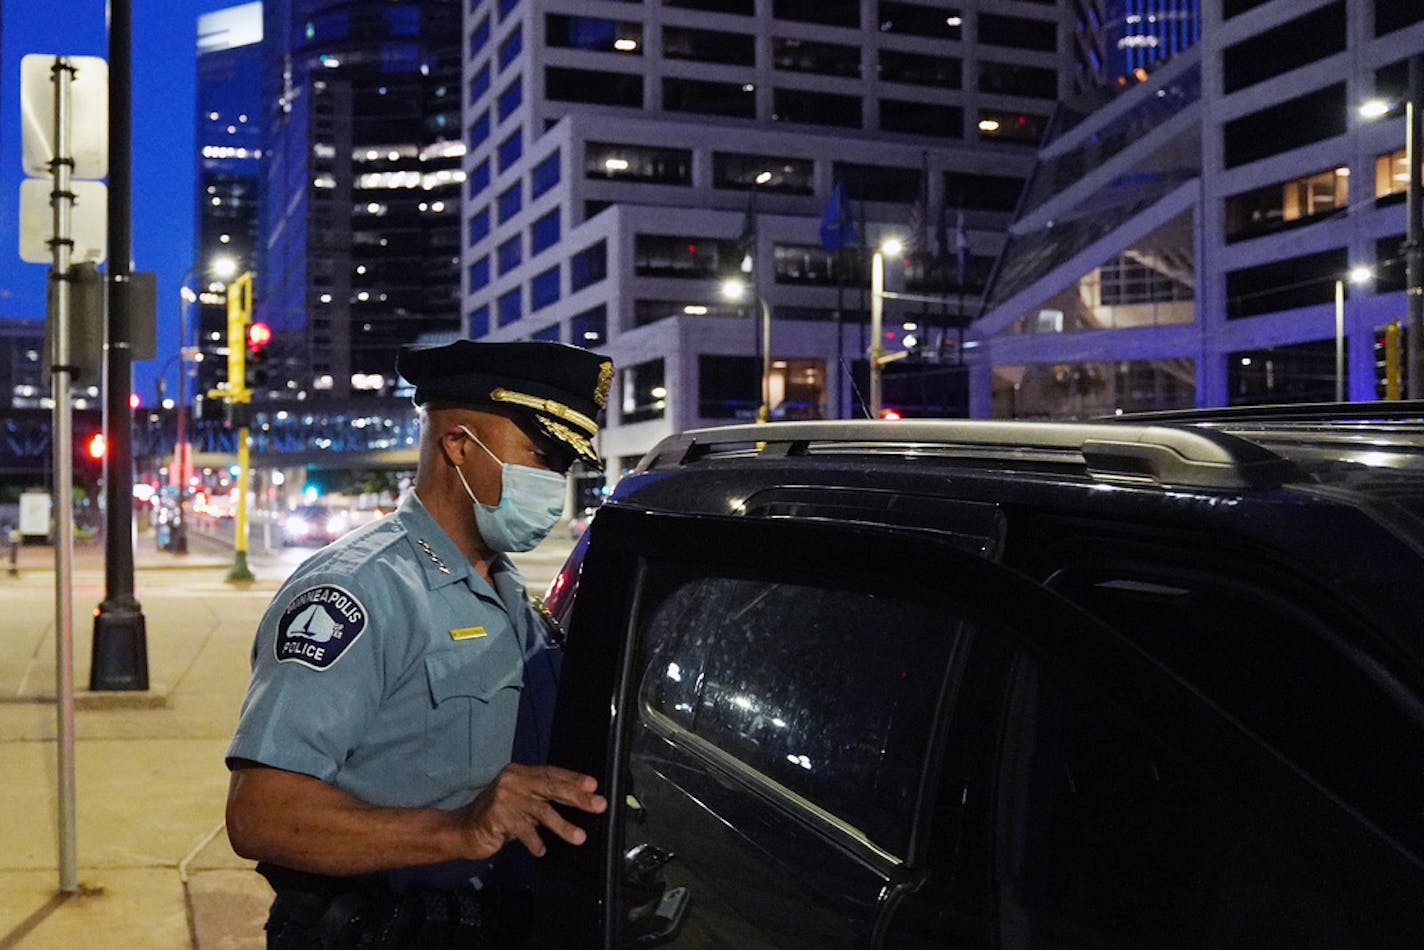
[[474, 702]]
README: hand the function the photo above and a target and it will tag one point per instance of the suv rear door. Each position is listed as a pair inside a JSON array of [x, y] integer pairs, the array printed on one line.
[[811, 736]]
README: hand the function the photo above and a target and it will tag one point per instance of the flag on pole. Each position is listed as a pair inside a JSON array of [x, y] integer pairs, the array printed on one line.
[[961, 248], [940, 264], [837, 225], [915, 241], [747, 240]]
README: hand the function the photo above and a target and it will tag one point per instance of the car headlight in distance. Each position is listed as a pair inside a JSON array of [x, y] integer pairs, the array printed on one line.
[[297, 526], [338, 524]]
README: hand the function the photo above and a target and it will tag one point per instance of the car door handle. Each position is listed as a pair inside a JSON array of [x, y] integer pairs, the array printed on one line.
[[653, 912]]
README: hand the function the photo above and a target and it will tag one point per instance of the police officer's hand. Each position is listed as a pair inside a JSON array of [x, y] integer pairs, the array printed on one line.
[[520, 800]]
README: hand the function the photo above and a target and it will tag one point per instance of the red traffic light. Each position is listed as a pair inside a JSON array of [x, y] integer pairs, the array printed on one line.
[[95, 445], [258, 336]]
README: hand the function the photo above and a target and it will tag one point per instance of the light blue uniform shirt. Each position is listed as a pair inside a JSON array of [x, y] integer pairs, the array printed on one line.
[[389, 668]]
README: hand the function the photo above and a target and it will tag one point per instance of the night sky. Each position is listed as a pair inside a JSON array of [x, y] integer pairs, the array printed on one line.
[[165, 66]]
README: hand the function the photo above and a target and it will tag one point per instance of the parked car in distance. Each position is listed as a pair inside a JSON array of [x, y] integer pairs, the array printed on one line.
[[315, 525], [1149, 682], [579, 523]]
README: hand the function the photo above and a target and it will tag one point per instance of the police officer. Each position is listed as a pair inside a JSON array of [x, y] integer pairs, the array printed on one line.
[[389, 745]]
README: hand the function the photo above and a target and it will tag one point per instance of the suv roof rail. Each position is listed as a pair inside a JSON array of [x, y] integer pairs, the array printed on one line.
[[1381, 411], [1173, 456]]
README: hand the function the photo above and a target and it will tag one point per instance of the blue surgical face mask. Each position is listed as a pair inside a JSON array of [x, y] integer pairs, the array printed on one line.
[[531, 502]]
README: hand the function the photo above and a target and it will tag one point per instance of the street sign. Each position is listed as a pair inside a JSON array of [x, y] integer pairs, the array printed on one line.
[[89, 222], [34, 514], [89, 111]]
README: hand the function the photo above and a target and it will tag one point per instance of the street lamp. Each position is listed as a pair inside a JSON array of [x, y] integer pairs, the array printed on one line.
[[893, 248], [1414, 233], [734, 289], [222, 268], [1357, 275]]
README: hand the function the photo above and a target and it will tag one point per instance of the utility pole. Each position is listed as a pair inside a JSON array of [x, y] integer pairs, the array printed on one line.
[[120, 648]]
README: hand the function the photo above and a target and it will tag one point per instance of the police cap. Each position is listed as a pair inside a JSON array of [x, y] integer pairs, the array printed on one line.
[[563, 389]]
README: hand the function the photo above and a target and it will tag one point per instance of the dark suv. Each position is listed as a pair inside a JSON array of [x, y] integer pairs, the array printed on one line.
[[1152, 682]]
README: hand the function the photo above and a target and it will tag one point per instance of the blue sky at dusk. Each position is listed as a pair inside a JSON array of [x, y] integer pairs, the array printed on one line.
[[164, 70]]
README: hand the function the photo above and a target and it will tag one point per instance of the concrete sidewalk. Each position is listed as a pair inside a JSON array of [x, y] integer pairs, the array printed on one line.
[[154, 861]]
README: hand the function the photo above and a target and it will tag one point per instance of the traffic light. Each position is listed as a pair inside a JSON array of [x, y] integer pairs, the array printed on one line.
[[1388, 365], [95, 446], [255, 374]]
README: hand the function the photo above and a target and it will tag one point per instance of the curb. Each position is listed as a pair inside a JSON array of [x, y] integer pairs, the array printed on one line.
[[155, 697]]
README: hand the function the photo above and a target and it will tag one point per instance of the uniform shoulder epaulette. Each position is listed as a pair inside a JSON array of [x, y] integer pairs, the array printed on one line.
[[359, 549]]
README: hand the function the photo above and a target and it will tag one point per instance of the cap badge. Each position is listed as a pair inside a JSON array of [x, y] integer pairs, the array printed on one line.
[[605, 380]]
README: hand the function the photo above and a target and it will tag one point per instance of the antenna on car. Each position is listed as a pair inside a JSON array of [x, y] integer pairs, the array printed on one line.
[[850, 377]]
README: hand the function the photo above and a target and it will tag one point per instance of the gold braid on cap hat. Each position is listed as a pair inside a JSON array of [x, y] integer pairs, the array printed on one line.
[[564, 434], [548, 407]]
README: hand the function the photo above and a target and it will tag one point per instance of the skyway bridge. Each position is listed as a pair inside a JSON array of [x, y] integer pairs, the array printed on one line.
[[357, 434]]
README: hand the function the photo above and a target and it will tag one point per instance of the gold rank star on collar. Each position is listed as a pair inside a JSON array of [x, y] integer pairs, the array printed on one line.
[[432, 555]]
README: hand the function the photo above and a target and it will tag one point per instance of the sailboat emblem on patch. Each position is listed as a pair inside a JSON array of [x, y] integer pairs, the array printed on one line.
[[318, 625]]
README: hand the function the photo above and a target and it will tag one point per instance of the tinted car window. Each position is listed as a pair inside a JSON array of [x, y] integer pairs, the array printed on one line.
[[828, 693], [1271, 656], [1106, 836]]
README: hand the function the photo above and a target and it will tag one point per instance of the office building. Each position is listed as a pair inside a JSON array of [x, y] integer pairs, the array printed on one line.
[[22, 379], [1119, 42], [229, 143], [1182, 245], [360, 189], [625, 159]]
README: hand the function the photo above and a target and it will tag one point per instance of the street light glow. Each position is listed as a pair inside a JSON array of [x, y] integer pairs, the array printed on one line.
[[224, 267], [1374, 108], [1361, 274], [892, 247], [763, 177], [734, 288]]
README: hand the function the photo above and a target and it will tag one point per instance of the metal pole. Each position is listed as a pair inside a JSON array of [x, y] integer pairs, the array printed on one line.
[[61, 378], [239, 317], [839, 412], [1339, 341], [1414, 239], [240, 571], [179, 543], [877, 304], [764, 413], [120, 648]]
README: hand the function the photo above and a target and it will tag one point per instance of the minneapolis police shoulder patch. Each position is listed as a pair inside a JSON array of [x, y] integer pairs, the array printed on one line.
[[318, 626]]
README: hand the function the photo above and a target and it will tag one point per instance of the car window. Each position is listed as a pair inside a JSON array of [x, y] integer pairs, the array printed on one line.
[[827, 694], [1273, 661], [1105, 835]]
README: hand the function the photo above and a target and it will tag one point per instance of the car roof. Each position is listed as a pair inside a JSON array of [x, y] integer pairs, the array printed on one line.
[[1210, 450]]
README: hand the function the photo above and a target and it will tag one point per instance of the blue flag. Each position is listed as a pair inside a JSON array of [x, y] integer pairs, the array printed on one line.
[[837, 226], [961, 248]]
